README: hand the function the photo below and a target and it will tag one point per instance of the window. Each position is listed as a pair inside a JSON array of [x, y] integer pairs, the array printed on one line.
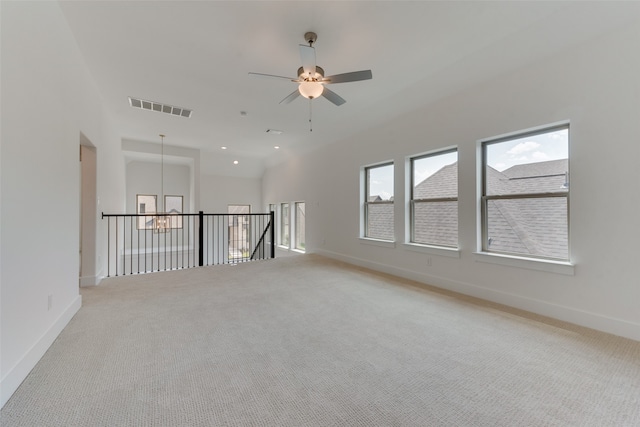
[[284, 224], [238, 231], [434, 199], [378, 203], [525, 194], [299, 226]]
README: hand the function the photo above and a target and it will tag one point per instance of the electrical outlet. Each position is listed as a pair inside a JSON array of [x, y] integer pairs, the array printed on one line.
[[49, 302]]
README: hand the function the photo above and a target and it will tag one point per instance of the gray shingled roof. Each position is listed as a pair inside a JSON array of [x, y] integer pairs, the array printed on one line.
[[529, 226], [523, 226], [380, 221], [443, 183], [436, 223]]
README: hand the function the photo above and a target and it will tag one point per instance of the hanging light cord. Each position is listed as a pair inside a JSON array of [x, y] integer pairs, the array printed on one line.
[[162, 172], [310, 117]]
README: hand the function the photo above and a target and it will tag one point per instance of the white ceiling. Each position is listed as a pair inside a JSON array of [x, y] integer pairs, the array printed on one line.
[[198, 55]]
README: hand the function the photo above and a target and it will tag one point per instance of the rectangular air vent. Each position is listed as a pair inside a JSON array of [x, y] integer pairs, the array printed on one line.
[[159, 107]]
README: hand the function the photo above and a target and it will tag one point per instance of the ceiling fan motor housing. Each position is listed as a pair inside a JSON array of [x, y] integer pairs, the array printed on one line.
[[319, 74], [310, 37]]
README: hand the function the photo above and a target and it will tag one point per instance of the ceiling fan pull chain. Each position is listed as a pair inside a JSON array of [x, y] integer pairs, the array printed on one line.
[[310, 117]]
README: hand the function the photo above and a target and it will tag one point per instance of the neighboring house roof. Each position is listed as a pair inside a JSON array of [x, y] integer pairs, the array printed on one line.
[[541, 177], [380, 221], [525, 226], [443, 183], [436, 223]]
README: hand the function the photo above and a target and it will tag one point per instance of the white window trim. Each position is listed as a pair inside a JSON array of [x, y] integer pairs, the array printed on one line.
[[511, 260], [280, 244], [294, 227], [551, 266], [432, 250], [377, 242], [408, 179], [363, 197]]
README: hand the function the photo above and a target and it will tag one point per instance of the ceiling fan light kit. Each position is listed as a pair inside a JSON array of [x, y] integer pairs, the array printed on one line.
[[310, 89], [311, 80]]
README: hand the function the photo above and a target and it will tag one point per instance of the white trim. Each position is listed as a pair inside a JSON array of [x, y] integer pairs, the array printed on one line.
[[533, 129], [550, 266], [584, 318], [432, 250], [14, 377], [88, 281], [377, 242]]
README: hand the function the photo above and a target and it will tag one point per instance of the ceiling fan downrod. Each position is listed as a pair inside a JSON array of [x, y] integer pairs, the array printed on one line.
[[310, 37]]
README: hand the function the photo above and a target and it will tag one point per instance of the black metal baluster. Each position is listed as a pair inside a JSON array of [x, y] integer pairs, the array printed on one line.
[[108, 245]]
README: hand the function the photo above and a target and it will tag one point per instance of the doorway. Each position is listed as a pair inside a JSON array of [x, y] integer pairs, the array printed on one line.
[[88, 213]]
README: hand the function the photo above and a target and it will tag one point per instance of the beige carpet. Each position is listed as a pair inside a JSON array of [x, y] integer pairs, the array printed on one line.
[[306, 341]]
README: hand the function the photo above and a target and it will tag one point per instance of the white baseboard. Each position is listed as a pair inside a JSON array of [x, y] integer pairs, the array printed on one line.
[[88, 281], [12, 380], [587, 319]]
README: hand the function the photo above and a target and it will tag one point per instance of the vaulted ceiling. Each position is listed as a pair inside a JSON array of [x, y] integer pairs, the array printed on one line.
[[197, 55]]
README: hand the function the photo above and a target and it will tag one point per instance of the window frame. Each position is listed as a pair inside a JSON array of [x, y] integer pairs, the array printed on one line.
[[283, 227], [297, 227], [413, 201], [483, 245], [367, 203]]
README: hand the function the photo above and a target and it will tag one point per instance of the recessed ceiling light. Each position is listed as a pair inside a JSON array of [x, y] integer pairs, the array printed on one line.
[[224, 148], [235, 162], [274, 131], [277, 147]]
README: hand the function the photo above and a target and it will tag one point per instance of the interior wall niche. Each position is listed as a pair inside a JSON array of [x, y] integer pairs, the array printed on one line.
[[146, 178]]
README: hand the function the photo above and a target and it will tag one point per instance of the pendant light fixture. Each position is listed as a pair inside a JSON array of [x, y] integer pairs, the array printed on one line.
[[163, 222]]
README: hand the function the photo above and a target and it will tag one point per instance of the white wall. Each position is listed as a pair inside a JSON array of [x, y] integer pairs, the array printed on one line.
[[48, 100], [145, 178], [218, 192], [88, 213], [596, 87]]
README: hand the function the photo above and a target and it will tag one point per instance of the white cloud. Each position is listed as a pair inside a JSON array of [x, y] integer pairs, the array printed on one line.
[[540, 156], [523, 147], [561, 135]]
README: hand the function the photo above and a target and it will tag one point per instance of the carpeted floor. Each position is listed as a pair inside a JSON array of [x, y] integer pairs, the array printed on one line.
[[307, 341]]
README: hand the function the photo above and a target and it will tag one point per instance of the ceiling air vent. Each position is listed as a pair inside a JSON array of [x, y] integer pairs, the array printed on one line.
[[159, 107]]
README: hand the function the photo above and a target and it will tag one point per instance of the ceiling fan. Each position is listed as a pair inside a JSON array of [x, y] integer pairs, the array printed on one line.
[[311, 77]]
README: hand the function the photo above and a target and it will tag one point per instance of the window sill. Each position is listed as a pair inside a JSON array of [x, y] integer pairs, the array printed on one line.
[[433, 250], [377, 242], [559, 267], [300, 251]]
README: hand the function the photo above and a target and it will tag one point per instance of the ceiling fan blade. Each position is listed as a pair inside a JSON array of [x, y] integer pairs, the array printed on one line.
[[333, 97], [291, 79], [353, 76], [293, 95], [308, 57]]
